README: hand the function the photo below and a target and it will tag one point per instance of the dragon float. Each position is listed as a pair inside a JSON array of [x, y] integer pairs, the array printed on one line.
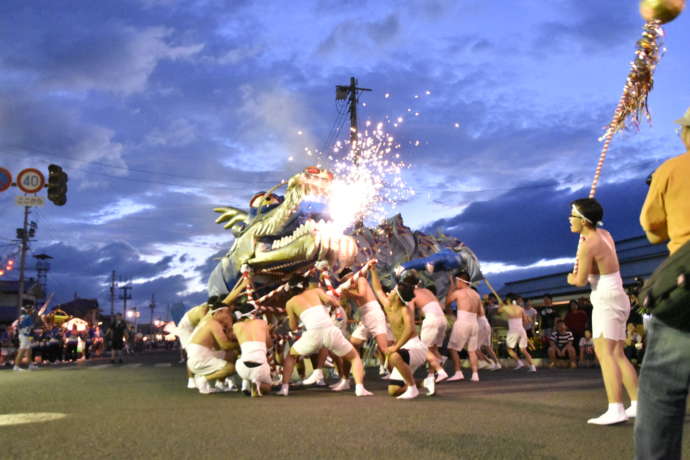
[[282, 235]]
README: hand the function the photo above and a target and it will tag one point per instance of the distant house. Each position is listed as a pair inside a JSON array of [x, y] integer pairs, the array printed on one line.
[[9, 296], [86, 309], [637, 258]]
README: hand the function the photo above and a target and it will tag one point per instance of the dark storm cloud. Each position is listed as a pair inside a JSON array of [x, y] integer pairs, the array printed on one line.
[[530, 223]]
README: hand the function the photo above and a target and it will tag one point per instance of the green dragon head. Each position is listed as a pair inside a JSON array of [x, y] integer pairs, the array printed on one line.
[[281, 234]]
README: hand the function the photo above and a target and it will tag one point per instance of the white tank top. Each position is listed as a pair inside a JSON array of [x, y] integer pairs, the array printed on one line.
[[315, 317], [253, 351], [515, 325], [433, 309]]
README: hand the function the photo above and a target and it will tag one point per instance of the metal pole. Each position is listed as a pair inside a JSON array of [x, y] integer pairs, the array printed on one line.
[[112, 296], [353, 111], [22, 261]]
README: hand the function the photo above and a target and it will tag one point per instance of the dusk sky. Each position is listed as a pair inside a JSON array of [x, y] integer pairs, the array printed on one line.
[[161, 110]]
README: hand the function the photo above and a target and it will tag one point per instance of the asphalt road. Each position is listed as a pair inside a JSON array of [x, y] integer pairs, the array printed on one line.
[[142, 409]]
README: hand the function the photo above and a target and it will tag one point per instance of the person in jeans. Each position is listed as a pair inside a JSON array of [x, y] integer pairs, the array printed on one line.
[[665, 371]]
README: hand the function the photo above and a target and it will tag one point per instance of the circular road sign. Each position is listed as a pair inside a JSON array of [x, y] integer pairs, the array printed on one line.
[[5, 179], [30, 180]]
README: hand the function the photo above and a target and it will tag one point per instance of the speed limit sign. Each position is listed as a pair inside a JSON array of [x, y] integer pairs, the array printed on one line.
[[30, 180]]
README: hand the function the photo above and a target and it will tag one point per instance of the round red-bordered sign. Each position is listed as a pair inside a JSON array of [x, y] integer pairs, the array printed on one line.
[[30, 180], [5, 179]]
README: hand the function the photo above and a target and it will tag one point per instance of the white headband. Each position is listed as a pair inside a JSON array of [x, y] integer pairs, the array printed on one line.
[[577, 213]]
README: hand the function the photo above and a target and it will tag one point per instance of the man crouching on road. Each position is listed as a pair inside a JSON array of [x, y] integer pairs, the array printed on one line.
[[254, 337], [206, 351], [308, 306], [408, 352]]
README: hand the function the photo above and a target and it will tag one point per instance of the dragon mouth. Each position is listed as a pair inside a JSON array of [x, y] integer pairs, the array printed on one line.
[[309, 241]]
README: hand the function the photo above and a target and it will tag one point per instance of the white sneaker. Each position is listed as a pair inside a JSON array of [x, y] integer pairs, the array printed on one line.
[[191, 384], [519, 365], [441, 376], [316, 378], [631, 412], [532, 368], [456, 377], [430, 385], [203, 385], [609, 418], [284, 390], [230, 385], [361, 391], [475, 377], [411, 393], [343, 385], [18, 369]]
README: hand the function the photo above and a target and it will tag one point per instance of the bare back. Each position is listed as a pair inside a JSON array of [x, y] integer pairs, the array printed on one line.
[[211, 334], [313, 297], [601, 248], [466, 299], [251, 330], [422, 297]]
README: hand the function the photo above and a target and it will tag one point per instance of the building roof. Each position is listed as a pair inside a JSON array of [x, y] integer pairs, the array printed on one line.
[[637, 259], [79, 307]]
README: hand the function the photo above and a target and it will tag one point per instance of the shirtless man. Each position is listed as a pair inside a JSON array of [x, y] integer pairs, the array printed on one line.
[[517, 335], [485, 347], [408, 352], [372, 321], [308, 306], [254, 338], [598, 264], [194, 315], [434, 326], [206, 351], [465, 330]]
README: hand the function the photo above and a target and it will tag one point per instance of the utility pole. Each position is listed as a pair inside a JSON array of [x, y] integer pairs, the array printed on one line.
[[112, 296], [152, 306], [350, 93], [125, 296], [24, 239]]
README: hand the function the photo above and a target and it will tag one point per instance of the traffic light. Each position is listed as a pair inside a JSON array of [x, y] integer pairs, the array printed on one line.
[[57, 185]]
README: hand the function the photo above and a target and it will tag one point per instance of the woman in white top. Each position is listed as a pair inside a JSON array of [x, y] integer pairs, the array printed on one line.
[[598, 265]]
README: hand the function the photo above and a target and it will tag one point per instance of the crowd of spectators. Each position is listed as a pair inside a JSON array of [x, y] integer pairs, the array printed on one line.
[[54, 344], [562, 332]]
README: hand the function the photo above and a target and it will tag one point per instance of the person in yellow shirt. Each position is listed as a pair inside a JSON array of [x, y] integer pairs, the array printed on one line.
[[665, 371]]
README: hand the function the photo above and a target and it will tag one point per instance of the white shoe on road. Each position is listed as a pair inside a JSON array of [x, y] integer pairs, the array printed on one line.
[[457, 377], [609, 418], [475, 377], [361, 391], [191, 384], [631, 412], [316, 378], [430, 385], [441, 376], [343, 385], [411, 393]]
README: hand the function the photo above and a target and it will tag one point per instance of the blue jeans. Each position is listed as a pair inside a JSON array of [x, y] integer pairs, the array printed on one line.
[[664, 382]]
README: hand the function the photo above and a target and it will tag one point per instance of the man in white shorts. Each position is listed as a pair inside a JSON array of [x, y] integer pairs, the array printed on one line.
[[372, 320], [485, 350], [434, 326], [598, 263], [465, 330], [307, 305], [408, 352], [517, 335], [254, 338], [206, 352], [195, 315]]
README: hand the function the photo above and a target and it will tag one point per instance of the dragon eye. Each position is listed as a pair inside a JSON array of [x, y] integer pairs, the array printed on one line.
[[312, 170]]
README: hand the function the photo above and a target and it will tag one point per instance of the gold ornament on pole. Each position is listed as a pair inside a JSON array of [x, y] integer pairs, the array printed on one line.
[[661, 10]]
